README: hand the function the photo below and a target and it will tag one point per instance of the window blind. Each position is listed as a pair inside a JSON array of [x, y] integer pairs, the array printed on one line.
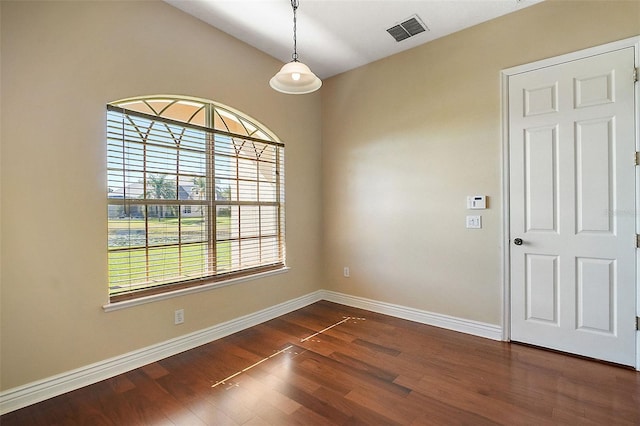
[[189, 204]]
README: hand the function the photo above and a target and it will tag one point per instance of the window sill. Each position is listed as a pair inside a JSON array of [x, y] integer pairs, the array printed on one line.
[[191, 290]]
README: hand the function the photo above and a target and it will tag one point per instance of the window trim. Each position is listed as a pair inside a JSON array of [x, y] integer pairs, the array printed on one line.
[[142, 300], [219, 279]]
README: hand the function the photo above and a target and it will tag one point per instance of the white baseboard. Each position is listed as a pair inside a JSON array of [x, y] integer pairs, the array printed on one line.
[[31, 393], [475, 328]]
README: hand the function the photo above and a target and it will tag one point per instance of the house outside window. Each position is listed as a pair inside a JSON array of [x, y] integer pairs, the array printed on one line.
[[195, 196]]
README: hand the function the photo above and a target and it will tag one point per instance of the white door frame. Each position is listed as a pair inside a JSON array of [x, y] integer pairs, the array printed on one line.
[[505, 237]]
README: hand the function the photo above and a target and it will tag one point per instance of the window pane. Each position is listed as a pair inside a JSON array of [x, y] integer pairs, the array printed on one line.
[[196, 187], [163, 134], [226, 167], [193, 139], [193, 227], [247, 169], [249, 149], [195, 260], [266, 171], [157, 105], [249, 221], [164, 264], [227, 222], [127, 268], [183, 110], [192, 163], [269, 250], [161, 187], [223, 256], [267, 192], [223, 190], [126, 227], [141, 106], [231, 122], [162, 224], [248, 191], [115, 182], [161, 159], [250, 253], [200, 118], [268, 154], [229, 257], [268, 220], [223, 145], [165, 182]]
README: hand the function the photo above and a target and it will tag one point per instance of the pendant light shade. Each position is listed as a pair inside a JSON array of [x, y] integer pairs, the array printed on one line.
[[295, 78]]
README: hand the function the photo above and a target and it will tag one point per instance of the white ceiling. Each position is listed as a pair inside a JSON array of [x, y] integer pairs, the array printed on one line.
[[334, 36]]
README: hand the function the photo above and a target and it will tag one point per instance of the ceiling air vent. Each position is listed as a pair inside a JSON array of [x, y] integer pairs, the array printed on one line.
[[408, 28]]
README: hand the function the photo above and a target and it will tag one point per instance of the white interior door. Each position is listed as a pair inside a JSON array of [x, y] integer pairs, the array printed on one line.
[[572, 206]]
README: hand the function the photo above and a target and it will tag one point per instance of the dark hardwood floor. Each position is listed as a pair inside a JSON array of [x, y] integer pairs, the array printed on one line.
[[368, 370]]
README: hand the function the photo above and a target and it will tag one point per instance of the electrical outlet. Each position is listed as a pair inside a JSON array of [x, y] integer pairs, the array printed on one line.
[[178, 316], [346, 272]]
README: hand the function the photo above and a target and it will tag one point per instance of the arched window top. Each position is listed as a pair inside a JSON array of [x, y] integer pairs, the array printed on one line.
[[200, 112]]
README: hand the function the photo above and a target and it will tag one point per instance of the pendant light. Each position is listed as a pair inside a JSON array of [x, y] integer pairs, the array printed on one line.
[[295, 78]]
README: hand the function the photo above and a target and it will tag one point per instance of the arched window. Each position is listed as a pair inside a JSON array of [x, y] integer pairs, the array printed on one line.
[[195, 195]]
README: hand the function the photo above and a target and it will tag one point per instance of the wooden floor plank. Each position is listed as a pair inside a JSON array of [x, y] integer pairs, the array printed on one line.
[[369, 369]]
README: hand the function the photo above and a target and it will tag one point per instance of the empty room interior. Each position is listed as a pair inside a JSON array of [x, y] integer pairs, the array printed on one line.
[[443, 232]]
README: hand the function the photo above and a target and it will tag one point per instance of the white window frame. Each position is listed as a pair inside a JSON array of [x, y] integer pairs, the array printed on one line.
[[256, 219]]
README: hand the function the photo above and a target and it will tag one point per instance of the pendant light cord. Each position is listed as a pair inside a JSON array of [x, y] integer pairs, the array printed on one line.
[[294, 5]]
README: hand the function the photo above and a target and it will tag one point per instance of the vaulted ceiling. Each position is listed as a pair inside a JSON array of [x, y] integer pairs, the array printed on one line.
[[334, 36]]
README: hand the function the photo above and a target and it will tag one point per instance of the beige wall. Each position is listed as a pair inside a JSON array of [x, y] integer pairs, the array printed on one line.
[[61, 63], [404, 140], [407, 138]]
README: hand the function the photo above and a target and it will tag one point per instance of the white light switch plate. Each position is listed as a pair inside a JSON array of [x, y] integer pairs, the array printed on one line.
[[474, 222]]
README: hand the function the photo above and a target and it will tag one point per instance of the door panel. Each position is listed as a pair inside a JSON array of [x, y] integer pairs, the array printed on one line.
[[542, 288], [596, 295], [572, 202], [594, 90], [595, 193], [541, 155]]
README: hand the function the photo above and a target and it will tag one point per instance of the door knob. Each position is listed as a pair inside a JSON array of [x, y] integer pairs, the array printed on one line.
[[517, 241]]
